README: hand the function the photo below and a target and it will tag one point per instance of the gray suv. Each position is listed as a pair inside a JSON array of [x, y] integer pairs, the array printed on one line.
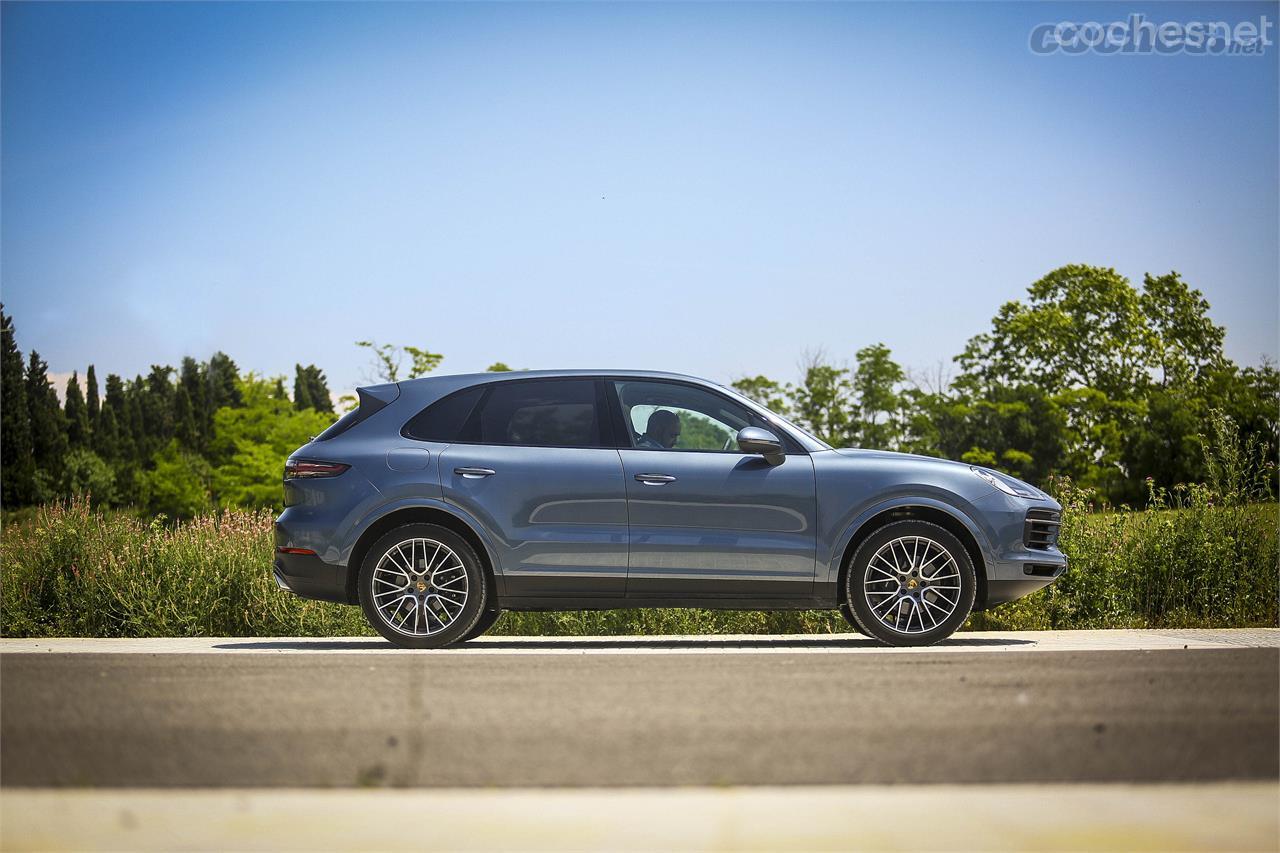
[[439, 502]]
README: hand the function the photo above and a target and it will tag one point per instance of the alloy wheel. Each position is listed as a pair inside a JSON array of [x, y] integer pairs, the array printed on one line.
[[420, 587]]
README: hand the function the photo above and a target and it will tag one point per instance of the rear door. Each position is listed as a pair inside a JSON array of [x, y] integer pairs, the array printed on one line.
[[705, 518], [536, 467]]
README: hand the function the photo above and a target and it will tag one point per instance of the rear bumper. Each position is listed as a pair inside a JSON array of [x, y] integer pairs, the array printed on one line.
[[308, 576]]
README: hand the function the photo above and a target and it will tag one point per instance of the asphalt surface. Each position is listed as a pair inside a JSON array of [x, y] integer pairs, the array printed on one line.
[[701, 718]]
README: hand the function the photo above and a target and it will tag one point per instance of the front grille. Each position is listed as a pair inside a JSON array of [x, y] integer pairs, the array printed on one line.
[[1040, 531]]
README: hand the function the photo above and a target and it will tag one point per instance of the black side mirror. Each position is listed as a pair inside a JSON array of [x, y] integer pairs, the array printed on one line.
[[757, 440]]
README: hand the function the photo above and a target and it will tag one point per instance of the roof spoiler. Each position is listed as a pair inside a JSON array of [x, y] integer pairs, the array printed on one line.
[[382, 394]]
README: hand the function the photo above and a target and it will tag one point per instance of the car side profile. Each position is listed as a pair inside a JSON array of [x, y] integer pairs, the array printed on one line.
[[440, 502]]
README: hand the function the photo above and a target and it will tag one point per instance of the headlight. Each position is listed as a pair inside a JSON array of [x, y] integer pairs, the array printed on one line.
[[1008, 485]]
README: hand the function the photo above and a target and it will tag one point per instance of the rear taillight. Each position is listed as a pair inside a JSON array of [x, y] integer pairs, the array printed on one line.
[[307, 469]]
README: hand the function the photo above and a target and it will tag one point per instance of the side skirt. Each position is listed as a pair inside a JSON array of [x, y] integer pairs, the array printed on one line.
[[542, 603]]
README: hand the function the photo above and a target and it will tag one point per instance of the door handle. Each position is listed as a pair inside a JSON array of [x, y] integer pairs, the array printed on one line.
[[475, 473], [655, 479]]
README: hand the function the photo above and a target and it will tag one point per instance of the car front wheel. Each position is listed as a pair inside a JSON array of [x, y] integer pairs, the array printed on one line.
[[911, 583], [422, 586], [483, 624]]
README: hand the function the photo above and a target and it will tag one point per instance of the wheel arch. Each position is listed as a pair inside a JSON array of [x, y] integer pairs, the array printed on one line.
[[416, 514], [948, 519]]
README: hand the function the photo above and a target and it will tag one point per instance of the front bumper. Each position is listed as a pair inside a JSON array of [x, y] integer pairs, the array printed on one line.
[[1016, 569]]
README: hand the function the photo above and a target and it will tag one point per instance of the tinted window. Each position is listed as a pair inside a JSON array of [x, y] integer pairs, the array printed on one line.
[[554, 413], [443, 419], [368, 406]]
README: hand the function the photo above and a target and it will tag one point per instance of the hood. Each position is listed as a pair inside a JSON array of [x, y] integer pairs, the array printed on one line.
[[889, 455]]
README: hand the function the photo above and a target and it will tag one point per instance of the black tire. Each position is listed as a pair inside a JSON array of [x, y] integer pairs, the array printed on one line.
[[475, 604], [888, 627], [848, 617], [484, 623]]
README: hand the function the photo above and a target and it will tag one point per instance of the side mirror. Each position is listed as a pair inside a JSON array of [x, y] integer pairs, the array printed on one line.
[[763, 442]]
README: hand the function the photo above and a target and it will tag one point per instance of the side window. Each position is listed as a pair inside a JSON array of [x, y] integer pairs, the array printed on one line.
[[443, 420], [548, 413], [669, 416]]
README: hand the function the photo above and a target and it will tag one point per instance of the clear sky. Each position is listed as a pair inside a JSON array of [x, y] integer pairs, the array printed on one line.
[[712, 189]]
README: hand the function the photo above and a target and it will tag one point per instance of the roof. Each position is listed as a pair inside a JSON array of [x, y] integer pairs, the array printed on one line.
[[549, 374]]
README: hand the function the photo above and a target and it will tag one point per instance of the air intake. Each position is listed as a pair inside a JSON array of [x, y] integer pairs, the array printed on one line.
[[1040, 531]]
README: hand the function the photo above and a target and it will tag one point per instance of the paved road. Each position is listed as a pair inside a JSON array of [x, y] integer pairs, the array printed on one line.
[[516, 715]]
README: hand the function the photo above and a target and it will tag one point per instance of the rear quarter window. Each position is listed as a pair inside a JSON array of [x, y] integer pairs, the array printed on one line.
[[444, 419]]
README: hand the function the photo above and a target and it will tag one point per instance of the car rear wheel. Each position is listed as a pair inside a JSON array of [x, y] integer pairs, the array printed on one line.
[[911, 583], [422, 587]]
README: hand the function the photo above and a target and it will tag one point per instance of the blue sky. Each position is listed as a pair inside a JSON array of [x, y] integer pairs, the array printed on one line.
[[713, 189]]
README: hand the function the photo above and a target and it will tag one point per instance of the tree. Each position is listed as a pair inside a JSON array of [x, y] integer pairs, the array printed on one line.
[[84, 473], [321, 398], [1186, 343], [1082, 326], [118, 444], [254, 440], [301, 389], [772, 395], [822, 402], [387, 359], [91, 397], [184, 420], [157, 406], [498, 367], [48, 429], [106, 435], [177, 484], [17, 470], [78, 434], [875, 382], [222, 385], [192, 376], [310, 389]]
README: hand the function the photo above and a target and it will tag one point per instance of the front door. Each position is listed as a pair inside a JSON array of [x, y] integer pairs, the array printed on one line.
[[535, 471], [707, 520]]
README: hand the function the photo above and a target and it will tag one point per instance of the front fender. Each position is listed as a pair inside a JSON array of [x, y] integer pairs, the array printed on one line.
[[954, 506]]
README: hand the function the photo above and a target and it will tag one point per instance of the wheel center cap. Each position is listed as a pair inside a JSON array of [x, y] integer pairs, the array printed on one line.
[[422, 586], [911, 583]]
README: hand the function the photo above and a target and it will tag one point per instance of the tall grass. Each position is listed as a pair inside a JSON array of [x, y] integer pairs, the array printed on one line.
[[71, 570]]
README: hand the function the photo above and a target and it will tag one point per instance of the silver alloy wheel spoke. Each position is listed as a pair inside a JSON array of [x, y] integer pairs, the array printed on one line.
[[428, 577], [911, 578]]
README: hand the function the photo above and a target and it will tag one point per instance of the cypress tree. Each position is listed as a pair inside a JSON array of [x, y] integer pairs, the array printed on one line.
[[121, 446], [302, 389], [222, 383], [184, 422], [134, 423], [106, 434], [192, 377], [16, 467], [318, 388], [157, 407], [91, 396], [48, 427], [77, 414]]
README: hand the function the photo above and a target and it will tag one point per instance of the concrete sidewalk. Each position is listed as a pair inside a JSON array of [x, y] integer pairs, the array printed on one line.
[[968, 641], [1224, 816]]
